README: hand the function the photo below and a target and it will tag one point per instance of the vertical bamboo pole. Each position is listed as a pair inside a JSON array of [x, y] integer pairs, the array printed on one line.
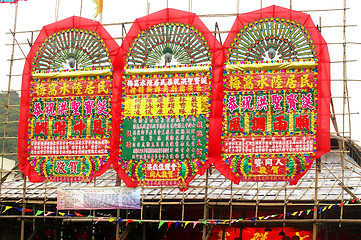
[[8, 94], [117, 183], [205, 207], [22, 230], [237, 6], [81, 7], [314, 227], [344, 105], [57, 4]]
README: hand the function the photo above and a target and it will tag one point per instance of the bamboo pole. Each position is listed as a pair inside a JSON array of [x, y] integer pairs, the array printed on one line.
[[8, 95]]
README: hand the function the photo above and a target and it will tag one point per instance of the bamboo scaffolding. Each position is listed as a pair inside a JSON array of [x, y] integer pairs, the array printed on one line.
[[209, 192]]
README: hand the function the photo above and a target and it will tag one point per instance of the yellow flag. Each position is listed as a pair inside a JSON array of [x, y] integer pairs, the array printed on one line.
[[186, 224], [61, 213], [99, 7], [111, 219], [6, 208]]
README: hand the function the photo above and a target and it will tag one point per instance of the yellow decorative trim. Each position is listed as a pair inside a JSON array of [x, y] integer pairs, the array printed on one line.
[[105, 72], [152, 71], [271, 66], [269, 122], [50, 128], [246, 123], [291, 122]]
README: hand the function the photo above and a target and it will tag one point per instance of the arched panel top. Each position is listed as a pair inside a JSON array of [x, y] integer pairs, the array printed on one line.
[[72, 48], [271, 38], [174, 43]]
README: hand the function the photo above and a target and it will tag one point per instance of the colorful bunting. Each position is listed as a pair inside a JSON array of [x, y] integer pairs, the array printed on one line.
[[78, 214], [48, 213], [160, 224], [6, 208], [99, 218], [38, 213], [176, 224], [185, 225]]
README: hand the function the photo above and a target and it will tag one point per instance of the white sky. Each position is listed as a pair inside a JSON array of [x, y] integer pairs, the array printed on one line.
[[33, 14]]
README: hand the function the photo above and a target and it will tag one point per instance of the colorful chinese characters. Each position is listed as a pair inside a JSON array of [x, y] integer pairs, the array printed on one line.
[[269, 112], [165, 127], [70, 126]]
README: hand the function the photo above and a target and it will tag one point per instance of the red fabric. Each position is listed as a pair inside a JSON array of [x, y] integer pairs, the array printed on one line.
[[324, 93], [218, 58], [72, 22]]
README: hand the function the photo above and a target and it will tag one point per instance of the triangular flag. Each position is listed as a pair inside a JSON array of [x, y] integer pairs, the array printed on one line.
[[330, 206], [195, 224], [19, 209], [274, 215], [70, 215], [38, 213], [254, 219], [342, 204], [28, 210], [176, 224], [294, 214], [240, 219], [260, 218], [98, 8], [139, 221], [89, 216], [6, 208], [288, 214], [204, 222], [119, 220], [267, 217], [129, 221], [160, 224], [324, 208], [216, 222], [48, 213], [99, 218], [320, 210], [308, 211], [61, 213], [334, 205], [79, 214], [300, 213], [169, 223], [233, 220], [353, 200], [347, 202], [281, 216], [111, 219], [185, 225]]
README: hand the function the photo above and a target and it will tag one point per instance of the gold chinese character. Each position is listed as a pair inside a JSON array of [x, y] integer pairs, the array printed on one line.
[[101, 87], [276, 81], [234, 83], [90, 88], [64, 89], [77, 88], [52, 89], [291, 82], [248, 82], [40, 89], [262, 82], [305, 81]]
